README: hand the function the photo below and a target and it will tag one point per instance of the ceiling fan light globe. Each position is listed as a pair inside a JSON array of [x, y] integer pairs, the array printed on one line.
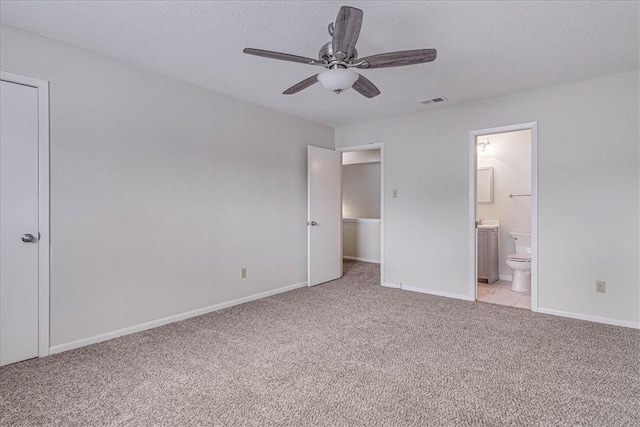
[[338, 79]]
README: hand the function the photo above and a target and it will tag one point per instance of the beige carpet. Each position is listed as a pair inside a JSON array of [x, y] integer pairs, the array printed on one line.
[[348, 352]]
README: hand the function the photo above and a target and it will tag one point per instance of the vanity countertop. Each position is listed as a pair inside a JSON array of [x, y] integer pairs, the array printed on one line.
[[488, 226]]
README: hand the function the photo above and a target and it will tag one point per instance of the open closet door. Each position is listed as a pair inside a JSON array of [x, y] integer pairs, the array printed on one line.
[[324, 215]]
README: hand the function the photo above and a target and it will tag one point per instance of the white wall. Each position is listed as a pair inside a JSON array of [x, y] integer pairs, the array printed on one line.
[[361, 190], [588, 187], [361, 239], [510, 156], [361, 156], [161, 191], [361, 205]]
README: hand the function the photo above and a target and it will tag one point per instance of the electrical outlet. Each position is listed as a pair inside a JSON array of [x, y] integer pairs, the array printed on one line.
[[395, 194], [601, 286], [243, 273]]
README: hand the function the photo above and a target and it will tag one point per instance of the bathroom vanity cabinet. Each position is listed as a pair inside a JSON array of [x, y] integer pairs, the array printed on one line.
[[488, 268]]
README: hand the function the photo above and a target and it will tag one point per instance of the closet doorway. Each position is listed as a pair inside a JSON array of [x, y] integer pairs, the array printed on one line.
[[363, 204]]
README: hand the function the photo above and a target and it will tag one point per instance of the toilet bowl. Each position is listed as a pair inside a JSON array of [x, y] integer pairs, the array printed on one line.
[[520, 262]]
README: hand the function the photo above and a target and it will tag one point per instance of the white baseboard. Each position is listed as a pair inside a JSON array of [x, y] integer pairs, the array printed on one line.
[[506, 277], [392, 285], [605, 320], [438, 293], [354, 258], [170, 319]]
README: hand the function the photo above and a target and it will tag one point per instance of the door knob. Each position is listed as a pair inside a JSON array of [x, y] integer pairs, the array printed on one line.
[[28, 238], [312, 223]]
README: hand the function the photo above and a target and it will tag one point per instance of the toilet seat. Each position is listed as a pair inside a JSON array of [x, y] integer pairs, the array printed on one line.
[[519, 257]]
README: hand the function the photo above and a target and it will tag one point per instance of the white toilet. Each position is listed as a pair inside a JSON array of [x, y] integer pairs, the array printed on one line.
[[520, 262]]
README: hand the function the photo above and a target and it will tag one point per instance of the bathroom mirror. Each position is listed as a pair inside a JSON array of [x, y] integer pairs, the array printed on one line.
[[484, 185]]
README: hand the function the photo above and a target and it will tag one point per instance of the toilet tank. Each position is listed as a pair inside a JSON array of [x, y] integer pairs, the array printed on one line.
[[522, 242]]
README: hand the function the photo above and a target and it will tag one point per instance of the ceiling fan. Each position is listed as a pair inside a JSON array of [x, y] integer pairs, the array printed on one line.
[[340, 55]]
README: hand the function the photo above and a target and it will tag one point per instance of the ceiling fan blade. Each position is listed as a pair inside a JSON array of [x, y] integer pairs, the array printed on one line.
[[346, 30], [278, 55], [301, 85], [397, 59], [364, 86]]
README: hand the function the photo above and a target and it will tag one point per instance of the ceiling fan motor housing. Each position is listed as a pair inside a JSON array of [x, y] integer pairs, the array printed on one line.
[[326, 55]]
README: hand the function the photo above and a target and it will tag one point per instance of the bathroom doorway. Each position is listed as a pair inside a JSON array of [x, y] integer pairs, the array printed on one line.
[[362, 204], [503, 215]]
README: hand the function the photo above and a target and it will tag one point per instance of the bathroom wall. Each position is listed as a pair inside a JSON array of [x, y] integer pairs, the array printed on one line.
[[510, 156], [361, 205]]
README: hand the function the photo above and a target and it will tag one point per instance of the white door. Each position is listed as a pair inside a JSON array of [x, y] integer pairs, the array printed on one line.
[[324, 221], [18, 222]]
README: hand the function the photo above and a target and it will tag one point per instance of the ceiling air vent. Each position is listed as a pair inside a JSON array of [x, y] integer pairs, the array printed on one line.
[[433, 100]]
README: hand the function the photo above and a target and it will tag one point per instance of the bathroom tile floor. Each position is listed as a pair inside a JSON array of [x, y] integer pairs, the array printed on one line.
[[500, 293]]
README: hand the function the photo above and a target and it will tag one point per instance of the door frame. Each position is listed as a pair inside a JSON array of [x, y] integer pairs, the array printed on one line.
[[473, 165], [43, 203], [366, 147]]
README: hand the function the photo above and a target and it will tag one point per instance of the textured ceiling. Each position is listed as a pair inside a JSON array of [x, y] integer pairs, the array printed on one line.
[[485, 49]]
